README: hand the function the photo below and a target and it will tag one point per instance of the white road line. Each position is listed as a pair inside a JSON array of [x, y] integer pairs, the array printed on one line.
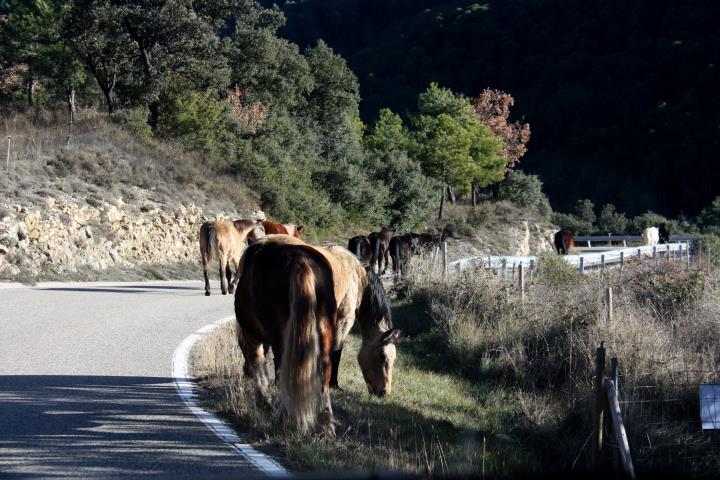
[[186, 389]]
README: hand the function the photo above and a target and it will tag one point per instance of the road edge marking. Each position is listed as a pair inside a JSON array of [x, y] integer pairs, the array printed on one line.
[[186, 390]]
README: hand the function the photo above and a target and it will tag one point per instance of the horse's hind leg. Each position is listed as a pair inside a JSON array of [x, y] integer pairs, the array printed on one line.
[[231, 282], [205, 273], [326, 416]]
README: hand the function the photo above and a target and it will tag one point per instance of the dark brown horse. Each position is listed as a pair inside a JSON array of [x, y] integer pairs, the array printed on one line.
[[224, 241], [401, 249], [564, 242], [430, 241], [282, 228], [360, 246], [302, 301], [379, 248]]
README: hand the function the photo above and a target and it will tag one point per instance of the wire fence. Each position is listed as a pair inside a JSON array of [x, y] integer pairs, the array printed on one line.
[[661, 410]]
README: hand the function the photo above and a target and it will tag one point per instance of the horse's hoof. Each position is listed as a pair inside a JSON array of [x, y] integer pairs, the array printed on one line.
[[207, 294], [224, 293], [231, 291]]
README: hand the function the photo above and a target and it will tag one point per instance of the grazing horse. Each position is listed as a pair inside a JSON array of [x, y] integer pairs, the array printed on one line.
[[651, 236], [401, 249], [429, 241], [284, 228], [224, 241], [360, 246], [564, 242], [664, 234], [303, 301], [379, 248]]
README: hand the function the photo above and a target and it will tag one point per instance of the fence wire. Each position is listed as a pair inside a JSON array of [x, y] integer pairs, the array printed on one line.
[[661, 411]]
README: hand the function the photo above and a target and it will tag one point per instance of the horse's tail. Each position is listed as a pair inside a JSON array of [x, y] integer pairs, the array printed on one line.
[[211, 248], [375, 252], [564, 239], [299, 377], [207, 238]]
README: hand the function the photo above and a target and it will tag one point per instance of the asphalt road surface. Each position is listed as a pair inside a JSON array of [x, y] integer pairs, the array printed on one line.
[[86, 388]]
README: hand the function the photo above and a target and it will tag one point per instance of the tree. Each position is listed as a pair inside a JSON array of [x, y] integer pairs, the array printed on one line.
[[709, 218], [410, 192], [336, 91], [584, 209], [32, 37], [452, 144], [526, 191], [612, 222], [493, 108]]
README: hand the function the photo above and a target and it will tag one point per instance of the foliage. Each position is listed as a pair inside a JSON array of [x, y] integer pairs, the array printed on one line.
[[526, 191], [196, 118], [452, 144], [709, 217], [493, 108], [134, 120], [612, 222], [572, 223]]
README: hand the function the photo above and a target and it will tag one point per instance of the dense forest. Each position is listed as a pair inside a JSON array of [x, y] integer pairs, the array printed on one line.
[[621, 96]]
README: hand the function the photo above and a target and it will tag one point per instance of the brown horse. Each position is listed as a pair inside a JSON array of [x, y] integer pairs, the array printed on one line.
[[224, 241], [283, 300], [564, 242], [379, 248], [282, 228], [401, 249], [360, 246]]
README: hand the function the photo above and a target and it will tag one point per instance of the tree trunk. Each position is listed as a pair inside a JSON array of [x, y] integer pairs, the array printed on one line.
[[442, 203], [108, 100], [473, 192], [71, 105], [30, 89], [495, 189], [451, 194]]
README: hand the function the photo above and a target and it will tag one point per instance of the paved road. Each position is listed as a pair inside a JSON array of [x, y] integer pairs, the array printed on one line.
[[85, 387]]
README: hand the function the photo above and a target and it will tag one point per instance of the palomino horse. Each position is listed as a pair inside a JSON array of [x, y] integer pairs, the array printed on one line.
[[360, 246], [303, 301], [224, 241], [564, 242], [379, 247], [401, 249], [284, 228]]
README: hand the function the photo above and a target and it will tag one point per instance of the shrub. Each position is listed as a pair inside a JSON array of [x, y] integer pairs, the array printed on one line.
[[134, 120], [611, 222], [526, 191], [570, 222], [196, 118]]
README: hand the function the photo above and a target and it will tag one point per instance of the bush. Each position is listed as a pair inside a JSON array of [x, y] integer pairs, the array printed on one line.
[[648, 219], [134, 120], [570, 222], [197, 119], [526, 191], [611, 222]]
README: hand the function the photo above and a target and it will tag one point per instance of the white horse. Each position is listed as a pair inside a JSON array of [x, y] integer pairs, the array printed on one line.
[[651, 236]]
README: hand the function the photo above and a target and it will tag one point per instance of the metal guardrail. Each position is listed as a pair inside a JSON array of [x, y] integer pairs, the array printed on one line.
[[582, 261], [625, 238]]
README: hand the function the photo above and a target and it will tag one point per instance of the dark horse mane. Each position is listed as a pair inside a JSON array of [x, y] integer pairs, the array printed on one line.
[[374, 306]]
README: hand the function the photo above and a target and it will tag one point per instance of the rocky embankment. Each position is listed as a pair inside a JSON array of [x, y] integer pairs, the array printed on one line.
[[67, 234]]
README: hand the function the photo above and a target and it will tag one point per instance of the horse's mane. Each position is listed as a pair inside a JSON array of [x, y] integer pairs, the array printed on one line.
[[374, 303]]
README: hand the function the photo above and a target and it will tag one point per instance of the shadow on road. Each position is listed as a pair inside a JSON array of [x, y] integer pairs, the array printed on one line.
[[105, 426], [144, 289]]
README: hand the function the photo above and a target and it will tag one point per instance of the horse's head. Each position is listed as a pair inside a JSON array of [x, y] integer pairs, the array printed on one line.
[[298, 231], [415, 246], [376, 359]]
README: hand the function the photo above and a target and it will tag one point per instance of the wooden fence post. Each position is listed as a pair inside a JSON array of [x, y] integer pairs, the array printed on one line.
[[667, 254], [598, 404], [602, 263], [614, 375], [582, 264], [639, 254], [609, 304], [622, 260], [655, 254], [503, 266], [443, 248], [521, 280], [687, 253], [7, 155]]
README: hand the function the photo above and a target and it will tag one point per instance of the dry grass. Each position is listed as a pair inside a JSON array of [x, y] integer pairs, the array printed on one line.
[[476, 366], [98, 160]]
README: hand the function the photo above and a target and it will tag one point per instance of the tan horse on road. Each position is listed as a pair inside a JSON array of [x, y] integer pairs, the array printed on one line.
[[224, 241], [280, 292]]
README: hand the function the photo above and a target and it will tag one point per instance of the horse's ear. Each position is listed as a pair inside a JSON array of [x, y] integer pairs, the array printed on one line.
[[389, 336]]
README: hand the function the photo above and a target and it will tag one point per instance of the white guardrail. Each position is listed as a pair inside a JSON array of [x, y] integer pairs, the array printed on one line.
[[582, 261]]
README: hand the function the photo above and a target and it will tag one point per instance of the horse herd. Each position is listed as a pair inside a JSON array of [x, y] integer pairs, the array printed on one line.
[[300, 302], [564, 240], [375, 248]]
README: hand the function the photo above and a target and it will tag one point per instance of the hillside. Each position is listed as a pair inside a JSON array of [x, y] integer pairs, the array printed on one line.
[[105, 205], [620, 95]]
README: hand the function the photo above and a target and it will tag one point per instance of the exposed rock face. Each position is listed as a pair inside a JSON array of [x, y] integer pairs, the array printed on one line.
[[66, 234]]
